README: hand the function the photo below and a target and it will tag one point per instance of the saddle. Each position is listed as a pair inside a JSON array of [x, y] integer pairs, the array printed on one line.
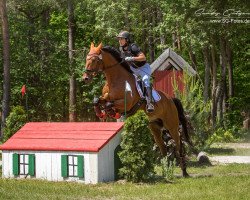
[[140, 86]]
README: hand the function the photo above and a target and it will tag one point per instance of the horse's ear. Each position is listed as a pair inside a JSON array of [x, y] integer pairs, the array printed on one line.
[[99, 47], [92, 45]]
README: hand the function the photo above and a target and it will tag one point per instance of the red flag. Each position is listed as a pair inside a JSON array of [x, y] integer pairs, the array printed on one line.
[[23, 90]]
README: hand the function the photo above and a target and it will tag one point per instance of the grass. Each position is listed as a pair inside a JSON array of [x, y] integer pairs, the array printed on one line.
[[225, 149], [0, 166], [213, 151], [222, 182], [208, 182]]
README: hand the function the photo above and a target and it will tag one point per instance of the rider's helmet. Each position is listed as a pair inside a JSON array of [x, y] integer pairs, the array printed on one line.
[[124, 34]]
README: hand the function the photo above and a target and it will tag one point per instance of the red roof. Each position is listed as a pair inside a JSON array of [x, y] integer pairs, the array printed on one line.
[[63, 136]]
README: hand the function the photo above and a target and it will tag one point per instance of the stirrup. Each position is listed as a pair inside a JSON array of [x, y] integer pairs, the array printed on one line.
[[150, 108]]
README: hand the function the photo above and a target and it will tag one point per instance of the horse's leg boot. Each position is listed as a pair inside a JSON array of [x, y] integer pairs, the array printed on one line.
[[99, 113], [110, 111]]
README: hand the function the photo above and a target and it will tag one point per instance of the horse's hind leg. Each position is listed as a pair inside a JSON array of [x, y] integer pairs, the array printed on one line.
[[179, 149], [155, 127], [183, 163]]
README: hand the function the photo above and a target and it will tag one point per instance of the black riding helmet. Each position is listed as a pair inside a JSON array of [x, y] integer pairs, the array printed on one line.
[[124, 34]]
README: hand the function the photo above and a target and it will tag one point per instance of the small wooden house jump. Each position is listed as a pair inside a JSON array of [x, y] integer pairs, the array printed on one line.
[[167, 67], [79, 151]]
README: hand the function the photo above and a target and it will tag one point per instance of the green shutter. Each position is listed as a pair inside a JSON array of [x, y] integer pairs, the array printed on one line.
[[15, 164], [64, 165], [80, 163], [31, 164]]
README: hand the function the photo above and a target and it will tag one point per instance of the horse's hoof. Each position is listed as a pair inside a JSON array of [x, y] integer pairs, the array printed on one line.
[[185, 175], [117, 116]]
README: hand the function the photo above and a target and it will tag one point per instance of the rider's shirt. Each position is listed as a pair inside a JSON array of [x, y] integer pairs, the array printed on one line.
[[133, 50]]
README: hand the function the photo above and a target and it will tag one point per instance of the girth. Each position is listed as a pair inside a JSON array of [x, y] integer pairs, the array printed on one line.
[[134, 108]]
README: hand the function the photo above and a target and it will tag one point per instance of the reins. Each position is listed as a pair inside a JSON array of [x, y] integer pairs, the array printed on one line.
[[104, 68]]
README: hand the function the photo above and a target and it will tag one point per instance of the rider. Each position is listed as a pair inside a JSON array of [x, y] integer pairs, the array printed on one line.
[[137, 61]]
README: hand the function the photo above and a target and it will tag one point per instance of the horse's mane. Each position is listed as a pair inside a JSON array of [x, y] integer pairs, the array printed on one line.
[[117, 55]]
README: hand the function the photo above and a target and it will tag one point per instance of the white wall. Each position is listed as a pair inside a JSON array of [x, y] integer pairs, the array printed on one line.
[[98, 166], [7, 164], [48, 165], [106, 160]]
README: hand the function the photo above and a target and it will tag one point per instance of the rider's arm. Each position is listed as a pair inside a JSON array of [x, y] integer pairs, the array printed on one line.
[[140, 57]]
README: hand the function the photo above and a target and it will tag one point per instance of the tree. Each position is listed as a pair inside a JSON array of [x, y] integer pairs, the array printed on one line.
[[6, 64], [16, 119], [72, 81], [214, 87], [207, 73], [137, 149], [47, 51]]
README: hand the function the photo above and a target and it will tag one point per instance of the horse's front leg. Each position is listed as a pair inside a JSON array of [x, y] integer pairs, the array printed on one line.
[[111, 110], [97, 102]]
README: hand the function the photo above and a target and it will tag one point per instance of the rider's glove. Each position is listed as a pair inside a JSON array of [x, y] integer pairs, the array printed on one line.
[[129, 59]]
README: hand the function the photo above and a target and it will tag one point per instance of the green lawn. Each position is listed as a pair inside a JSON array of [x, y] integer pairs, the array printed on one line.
[[208, 182], [220, 182]]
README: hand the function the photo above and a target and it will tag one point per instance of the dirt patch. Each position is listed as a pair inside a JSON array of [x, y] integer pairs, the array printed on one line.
[[230, 159], [240, 149], [234, 145]]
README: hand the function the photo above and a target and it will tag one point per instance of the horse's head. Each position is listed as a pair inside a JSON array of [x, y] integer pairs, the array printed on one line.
[[94, 62]]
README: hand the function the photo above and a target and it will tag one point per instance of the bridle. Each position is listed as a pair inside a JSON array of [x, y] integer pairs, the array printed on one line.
[[99, 59]]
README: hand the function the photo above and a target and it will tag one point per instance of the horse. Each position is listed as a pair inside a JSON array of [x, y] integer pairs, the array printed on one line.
[[168, 112]]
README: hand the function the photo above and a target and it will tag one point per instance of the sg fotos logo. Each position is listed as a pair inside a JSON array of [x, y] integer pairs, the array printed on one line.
[[232, 16]]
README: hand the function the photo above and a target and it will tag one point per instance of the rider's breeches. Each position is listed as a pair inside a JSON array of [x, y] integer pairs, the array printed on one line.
[[144, 72]]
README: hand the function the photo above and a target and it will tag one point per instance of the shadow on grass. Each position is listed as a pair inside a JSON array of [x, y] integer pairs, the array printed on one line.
[[159, 179], [151, 181], [196, 164], [156, 179], [220, 151]]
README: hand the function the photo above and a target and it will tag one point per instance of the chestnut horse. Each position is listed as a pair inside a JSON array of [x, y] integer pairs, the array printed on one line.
[[107, 60]]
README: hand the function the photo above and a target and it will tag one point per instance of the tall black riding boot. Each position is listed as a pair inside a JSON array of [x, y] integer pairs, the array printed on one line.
[[150, 106]]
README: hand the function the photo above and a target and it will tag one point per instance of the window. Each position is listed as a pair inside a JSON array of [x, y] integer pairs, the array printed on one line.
[[72, 166], [72, 160], [23, 164]]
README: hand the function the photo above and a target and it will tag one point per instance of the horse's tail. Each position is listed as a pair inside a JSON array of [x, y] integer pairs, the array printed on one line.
[[183, 121]]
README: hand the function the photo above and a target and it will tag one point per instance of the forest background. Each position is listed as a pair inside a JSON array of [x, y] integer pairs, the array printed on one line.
[[45, 43]]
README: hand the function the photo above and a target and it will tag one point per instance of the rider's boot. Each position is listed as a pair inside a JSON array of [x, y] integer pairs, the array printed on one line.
[[150, 106]]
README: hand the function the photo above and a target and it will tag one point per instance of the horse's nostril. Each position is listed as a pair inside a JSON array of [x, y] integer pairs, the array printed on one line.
[[85, 77]]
